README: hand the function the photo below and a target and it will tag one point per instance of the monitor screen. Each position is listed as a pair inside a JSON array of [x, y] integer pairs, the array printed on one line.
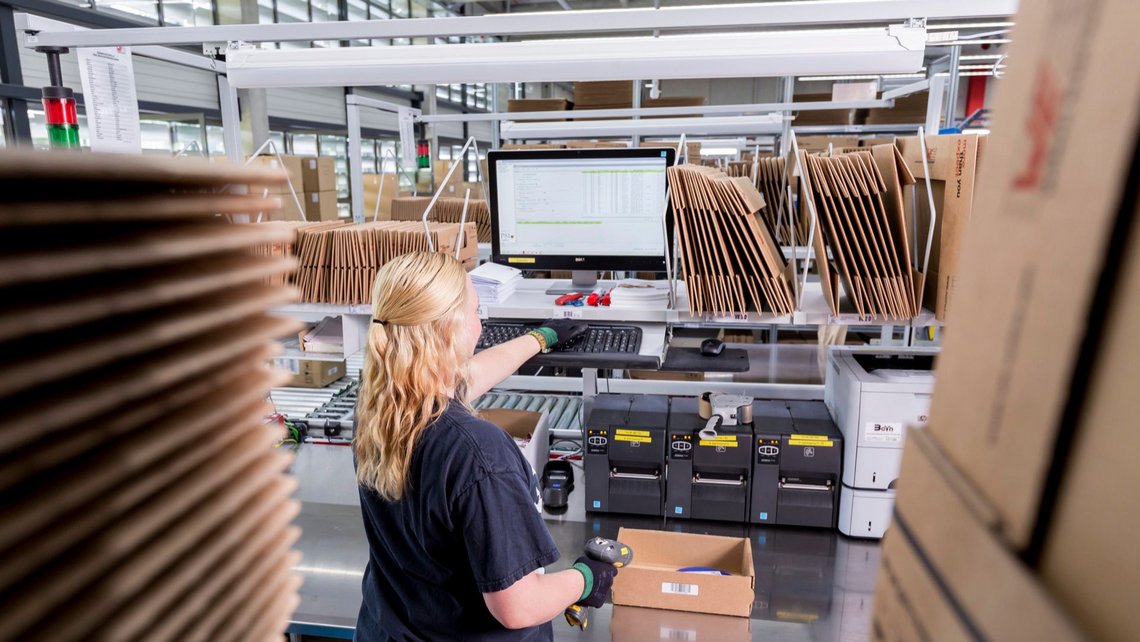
[[588, 209]]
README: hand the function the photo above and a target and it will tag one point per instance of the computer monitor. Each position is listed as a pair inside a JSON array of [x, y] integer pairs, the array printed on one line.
[[585, 210]]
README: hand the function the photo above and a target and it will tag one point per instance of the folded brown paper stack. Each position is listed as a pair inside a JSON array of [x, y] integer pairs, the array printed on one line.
[[731, 262], [339, 263], [447, 209], [859, 205], [288, 248], [772, 185], [142, 494]]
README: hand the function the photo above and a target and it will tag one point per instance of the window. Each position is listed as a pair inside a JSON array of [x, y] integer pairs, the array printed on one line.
[[337, 147], [188, 12], [303, 144]]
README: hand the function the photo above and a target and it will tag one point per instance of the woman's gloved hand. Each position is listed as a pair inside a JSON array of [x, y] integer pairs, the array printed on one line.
[[599, 579], [565, 329]]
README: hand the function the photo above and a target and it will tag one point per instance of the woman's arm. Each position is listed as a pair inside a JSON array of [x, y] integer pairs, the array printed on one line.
[[492, 365], [535, 599]]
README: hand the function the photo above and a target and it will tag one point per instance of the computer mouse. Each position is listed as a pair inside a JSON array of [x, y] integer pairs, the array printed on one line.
[[712, 347], [557, 482]]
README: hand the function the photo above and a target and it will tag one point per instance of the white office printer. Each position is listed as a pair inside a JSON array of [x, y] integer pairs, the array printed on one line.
[[873, 394]]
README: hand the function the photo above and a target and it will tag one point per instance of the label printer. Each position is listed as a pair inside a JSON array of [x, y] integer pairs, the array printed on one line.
[[797, 463], [710, 463], [873, 394], [624, 464], [764, 462]]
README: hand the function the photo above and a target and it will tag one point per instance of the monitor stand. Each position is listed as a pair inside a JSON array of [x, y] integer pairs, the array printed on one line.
[[585, 281]]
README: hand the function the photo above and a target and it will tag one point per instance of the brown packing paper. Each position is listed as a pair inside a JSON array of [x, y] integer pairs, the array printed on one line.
[[132, 335]]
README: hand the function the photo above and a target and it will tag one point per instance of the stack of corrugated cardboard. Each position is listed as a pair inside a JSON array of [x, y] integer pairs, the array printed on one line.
[[445, 210], [608, 94], [143, 496], [339, 264], [772, 184], [1017, 514], [732, 264], [862, 226]]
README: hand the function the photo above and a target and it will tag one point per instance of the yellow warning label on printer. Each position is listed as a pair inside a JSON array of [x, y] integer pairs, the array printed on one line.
[[810, 437], [520, 259], [728, 441], [810, 442], [634, 438], [632, 433]]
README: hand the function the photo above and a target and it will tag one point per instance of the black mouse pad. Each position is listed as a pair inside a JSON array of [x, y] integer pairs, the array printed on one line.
[[691, 360]]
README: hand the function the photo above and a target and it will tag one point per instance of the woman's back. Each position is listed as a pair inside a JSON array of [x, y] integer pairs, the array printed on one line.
[[467, 524]]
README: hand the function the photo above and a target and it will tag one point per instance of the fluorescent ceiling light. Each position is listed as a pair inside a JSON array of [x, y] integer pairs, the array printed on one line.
[[699, 126], [864, 77], [969, 25], [995, 41], [981, 56], [894, 49], [718, 151]]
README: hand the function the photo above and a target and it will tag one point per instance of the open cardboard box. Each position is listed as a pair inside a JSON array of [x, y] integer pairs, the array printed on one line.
[[652, 579], [521, 424]]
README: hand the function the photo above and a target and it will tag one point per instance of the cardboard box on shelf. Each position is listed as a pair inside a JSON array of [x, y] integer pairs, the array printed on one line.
[[311, 372], [955, 162], [372, 190], [321, 206], [318, 173], [524, 425], [635, 624], [459, 189], [289, 210], [292, 167], [941, 520], [653, 579], [1048, 210]]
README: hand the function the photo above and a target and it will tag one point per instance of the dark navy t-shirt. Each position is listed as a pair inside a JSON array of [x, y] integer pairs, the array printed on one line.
[[468, 524]]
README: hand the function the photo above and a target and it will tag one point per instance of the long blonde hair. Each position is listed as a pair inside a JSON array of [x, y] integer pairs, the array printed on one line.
[[414, 363]]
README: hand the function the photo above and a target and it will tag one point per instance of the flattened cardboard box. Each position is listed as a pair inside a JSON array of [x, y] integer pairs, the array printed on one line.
[[1090, 560], [652, 579], [954, 164], [318, 173], [949, 528], [311, 373], [1061, 146], [372, 190]]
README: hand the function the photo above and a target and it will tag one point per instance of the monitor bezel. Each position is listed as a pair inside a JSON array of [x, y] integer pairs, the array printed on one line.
[[600, 263]]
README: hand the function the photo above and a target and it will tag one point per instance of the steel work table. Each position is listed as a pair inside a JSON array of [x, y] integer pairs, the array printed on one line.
[[811, 585]]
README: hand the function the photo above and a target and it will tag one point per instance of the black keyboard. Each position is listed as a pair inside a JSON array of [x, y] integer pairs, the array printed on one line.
[[599, 339]]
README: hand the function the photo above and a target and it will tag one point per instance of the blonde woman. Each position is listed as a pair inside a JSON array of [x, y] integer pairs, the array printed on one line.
[[450, 506]]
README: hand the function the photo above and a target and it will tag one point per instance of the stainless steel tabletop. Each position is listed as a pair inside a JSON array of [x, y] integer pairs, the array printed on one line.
[[811, 585]]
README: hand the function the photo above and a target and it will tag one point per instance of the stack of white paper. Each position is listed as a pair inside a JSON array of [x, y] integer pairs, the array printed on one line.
[[326, 336], [636, 293], [494, 282]]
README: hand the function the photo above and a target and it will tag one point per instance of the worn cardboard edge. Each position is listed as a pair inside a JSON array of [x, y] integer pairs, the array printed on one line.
[[1116, 256]]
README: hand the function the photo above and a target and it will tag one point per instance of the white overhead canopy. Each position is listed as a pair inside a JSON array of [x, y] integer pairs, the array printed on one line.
[[894, 49], [624, 128]]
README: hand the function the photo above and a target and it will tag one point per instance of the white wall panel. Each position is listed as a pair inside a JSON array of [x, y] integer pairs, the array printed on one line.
[[155, 80], [316, 104]]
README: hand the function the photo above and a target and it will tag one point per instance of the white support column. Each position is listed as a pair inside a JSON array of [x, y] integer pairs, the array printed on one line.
[[355, 163], [934, 104], [231, 119], [636, 142]]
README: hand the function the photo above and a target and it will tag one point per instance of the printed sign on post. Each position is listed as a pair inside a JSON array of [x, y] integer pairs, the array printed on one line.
[[109, 99]]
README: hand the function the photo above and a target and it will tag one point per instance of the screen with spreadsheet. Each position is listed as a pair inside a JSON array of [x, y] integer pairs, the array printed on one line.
[[578, 204]]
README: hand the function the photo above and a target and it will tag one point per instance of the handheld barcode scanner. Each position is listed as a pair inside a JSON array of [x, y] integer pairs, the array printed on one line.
[[603, 550]]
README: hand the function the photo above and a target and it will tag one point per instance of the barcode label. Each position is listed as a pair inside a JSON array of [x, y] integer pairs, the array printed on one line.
[[292, 365], [678, 634], [573, 312], [672, 588]]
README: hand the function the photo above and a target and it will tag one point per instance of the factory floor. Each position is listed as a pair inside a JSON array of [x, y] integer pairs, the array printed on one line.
[[811, 585]]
